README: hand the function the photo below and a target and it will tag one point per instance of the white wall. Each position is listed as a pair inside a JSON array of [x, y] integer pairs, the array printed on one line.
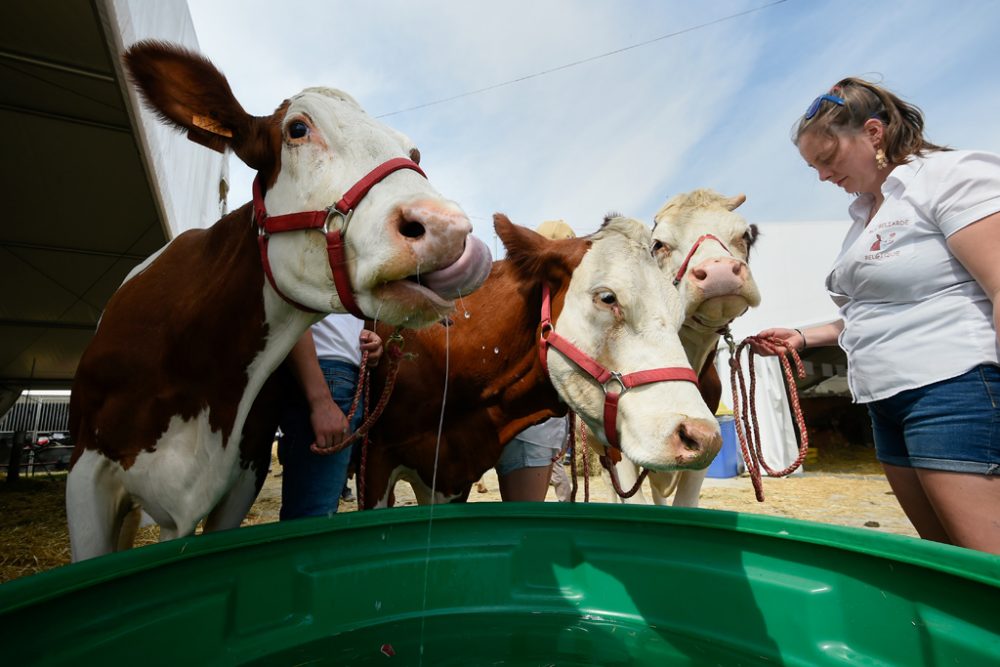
[[187, 175], [790, 261]]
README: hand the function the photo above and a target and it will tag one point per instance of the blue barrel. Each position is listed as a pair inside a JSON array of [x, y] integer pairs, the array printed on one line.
[[727, 462]]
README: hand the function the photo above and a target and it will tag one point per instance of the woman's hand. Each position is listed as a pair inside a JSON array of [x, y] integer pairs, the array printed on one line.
[[372, 344], [789, 339]]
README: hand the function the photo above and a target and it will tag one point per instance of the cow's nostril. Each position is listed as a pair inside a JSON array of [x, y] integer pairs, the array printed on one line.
[[699, 274], [411, 229], [689, 442]]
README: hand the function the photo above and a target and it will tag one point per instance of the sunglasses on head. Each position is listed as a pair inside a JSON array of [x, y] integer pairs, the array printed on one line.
[[814, 107]]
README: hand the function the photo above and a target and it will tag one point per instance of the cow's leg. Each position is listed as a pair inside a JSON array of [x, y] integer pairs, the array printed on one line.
[[662, 484], [96, 505], [424, 496], [386, 500], [234, 506], [689, 488], [129, 527]]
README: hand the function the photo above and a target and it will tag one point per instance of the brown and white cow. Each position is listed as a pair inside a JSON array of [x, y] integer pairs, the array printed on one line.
[[702, 245], [481, 379], [160, 402]]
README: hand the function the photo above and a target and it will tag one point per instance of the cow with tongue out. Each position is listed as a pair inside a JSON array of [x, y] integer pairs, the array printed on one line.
[[167, 410]]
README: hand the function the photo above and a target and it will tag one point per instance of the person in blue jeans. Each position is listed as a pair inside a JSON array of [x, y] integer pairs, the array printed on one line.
[[917, 282], [326, 362]]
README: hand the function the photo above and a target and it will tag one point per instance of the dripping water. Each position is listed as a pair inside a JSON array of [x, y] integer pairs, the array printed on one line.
[[465, 311], [430, 518]]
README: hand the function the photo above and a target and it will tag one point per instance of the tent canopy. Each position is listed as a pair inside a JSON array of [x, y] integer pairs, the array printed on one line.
[[86, 175]]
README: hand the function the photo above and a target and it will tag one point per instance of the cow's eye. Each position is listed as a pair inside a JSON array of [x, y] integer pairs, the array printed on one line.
[[661, 247], [607, 298], [297, 129]]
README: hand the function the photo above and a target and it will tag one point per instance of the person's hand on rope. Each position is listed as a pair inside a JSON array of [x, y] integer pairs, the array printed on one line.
[[329, 425], [782, 342], [372, 344]]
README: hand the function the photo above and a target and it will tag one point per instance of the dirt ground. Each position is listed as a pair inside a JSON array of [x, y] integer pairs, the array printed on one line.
[[843, 487]]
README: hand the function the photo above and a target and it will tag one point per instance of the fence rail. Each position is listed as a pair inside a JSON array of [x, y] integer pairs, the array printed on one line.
[[37, 414]]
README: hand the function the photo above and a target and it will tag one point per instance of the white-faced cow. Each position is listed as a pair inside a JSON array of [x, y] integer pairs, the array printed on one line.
[[702, 246], [483, 379], [342, 219]]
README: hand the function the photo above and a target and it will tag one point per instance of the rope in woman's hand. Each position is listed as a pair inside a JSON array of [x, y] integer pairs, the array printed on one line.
[[745, 407]]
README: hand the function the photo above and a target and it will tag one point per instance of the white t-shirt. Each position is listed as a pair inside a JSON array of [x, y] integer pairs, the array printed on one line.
[[550, 433], [912, 313], [337, 338]]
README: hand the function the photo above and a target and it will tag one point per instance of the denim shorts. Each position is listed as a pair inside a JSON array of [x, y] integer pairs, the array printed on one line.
[[951, 425], [519, 454]]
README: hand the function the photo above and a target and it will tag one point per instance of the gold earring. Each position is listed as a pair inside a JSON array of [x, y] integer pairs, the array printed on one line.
[[880, 161]]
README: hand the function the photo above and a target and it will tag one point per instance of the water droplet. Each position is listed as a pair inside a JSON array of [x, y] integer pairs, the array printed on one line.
[[496, 350]]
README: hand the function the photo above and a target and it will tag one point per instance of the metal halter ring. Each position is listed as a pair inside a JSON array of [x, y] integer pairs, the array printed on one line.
[[617, 377], [332, 211]]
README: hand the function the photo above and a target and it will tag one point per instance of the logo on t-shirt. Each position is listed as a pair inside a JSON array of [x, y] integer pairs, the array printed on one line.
[[885, 237]]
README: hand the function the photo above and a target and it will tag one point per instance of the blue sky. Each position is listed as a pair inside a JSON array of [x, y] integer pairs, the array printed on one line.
[[712, 107]]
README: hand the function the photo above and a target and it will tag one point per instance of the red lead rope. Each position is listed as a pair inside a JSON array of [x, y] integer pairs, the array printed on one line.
[[393, 350], [745, 407]]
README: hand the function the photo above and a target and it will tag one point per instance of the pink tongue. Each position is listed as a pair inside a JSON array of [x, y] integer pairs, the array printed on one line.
[[463, 276]]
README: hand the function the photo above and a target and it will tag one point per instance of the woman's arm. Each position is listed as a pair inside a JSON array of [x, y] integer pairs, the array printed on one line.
[[819, 335], [977, 247]]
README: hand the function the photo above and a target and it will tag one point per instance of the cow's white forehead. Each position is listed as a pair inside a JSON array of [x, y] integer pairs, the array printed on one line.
[[333, 109], [687, 216], [329, 93], [619, 258], [719, 221]]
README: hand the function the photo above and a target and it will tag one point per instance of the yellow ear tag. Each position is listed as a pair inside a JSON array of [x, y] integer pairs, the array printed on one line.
[[211, 125]]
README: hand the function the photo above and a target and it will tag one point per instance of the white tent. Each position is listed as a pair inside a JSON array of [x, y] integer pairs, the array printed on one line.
[[790, 262]]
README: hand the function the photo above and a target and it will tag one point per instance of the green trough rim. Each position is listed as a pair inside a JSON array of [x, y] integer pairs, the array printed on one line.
[[964, 563]]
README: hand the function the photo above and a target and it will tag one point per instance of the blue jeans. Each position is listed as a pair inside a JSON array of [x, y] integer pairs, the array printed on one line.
[[311, 483], [951, 425]]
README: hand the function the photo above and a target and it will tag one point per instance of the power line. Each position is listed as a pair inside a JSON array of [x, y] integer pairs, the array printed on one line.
[[582, 61]]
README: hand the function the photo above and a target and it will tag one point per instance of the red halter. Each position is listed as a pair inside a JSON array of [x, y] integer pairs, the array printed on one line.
[[267, 225], [681, 271], [600, 373]]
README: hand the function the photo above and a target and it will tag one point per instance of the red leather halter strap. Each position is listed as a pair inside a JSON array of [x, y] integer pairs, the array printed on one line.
[[600, 373], [320, 220], [701, 239]]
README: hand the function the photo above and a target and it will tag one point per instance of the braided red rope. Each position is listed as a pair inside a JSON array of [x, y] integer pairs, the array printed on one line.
[[745, 407], [364, 448], [586, 462], [609, 465], [394, 350], [572, 456]]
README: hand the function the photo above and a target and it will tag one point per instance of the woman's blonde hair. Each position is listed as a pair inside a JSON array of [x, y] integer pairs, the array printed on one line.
[[904, 123]]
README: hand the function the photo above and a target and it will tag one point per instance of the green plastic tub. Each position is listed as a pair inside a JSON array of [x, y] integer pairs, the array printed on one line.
[[516, 584]]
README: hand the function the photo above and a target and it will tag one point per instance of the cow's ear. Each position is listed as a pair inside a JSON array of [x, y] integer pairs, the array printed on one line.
[[519, 241], [750, 237], [536, 257], [186, 90]]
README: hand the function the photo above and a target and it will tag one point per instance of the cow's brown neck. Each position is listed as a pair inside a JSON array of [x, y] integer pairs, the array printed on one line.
[[496, 387], [176, 351]]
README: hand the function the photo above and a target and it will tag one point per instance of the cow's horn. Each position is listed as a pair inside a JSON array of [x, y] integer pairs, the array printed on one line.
[[734, 202]]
